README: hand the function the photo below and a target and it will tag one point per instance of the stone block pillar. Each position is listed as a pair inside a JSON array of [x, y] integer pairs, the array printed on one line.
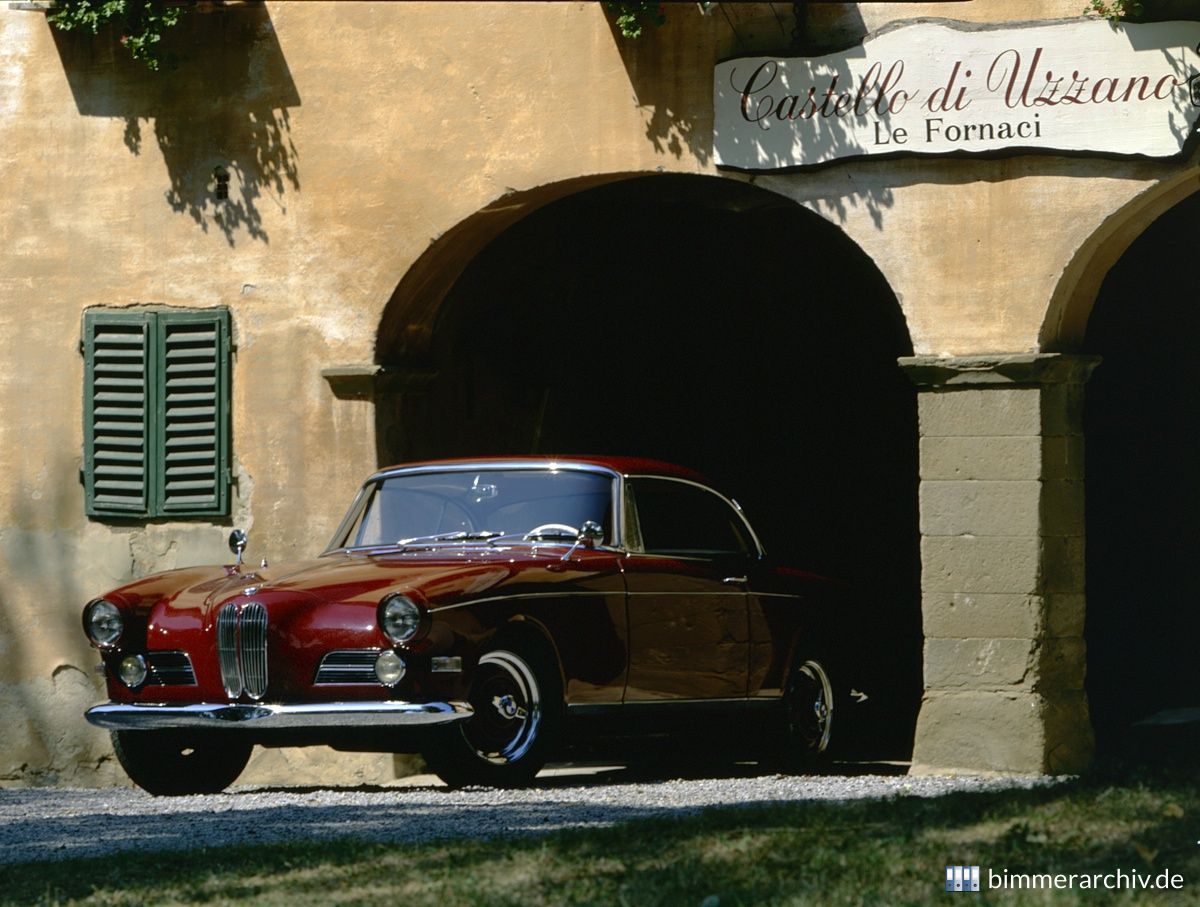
[[1002, 563]]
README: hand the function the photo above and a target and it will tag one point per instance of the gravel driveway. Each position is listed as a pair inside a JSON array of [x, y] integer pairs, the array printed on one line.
[[57, 823]]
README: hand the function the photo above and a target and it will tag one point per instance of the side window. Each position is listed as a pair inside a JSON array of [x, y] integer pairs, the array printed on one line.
[[156, 413], [677, 518]]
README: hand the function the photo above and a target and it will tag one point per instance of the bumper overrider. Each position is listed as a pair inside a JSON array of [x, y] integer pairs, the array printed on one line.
[[120, 716]]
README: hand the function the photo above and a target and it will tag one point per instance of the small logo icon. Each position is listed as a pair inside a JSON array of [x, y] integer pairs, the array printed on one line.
[[962, 878]]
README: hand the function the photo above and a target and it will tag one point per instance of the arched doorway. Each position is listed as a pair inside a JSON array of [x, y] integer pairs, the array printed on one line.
[[1142, 427], [706, 322]]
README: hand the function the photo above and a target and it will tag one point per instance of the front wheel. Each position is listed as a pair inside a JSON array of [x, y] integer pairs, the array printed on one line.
[[170, 764], [517, 697]]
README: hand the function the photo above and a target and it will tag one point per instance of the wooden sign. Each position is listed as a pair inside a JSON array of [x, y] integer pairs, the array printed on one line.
[[937, 87]]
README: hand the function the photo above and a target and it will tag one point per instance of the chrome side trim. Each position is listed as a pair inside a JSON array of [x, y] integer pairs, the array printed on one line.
[[262, 716], [500, 598], [727, 593]]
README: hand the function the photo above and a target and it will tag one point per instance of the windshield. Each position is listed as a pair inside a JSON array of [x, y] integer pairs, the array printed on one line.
[[477, 505]]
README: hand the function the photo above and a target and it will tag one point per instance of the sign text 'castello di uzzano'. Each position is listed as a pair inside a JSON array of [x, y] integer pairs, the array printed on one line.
[[938, 88]]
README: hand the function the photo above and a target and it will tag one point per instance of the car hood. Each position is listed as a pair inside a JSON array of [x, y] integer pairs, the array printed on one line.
[[436, 577]]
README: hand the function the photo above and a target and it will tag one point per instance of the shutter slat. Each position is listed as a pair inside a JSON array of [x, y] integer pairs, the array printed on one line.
[[103, 381], [189, 485], [183, 412], [114, 484], [113, 368], [179, 439], [112, 501], [136, 427], [190, 368], [174, 399], [120, 456], [117, 397], [119, 354], [209, 383], [199, 500], [176, 474], [108, 470]]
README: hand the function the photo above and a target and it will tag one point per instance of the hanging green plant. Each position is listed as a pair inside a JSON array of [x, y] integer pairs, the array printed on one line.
[[140, 23], [632, 18], [1116, 9]]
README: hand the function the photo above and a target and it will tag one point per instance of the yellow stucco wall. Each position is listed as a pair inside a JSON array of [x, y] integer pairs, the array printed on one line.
[[357, 134]]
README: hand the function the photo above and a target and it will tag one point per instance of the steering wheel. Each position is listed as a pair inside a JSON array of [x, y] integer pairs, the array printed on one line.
[[553, 529]]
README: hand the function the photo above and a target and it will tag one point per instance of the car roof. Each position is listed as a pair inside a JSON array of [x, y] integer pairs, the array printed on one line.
[[639, 466]]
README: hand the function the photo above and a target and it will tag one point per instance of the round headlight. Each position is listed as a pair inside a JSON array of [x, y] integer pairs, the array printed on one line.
[[389, 668], [399, 618], [103, 623], [132, 670]]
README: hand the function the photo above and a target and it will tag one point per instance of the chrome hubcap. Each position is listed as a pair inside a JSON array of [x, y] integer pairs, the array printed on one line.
[[813, 714], [508, 711]]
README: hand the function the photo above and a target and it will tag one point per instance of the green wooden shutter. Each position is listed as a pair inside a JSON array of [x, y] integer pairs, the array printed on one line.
[[117, 401], [192, 470]]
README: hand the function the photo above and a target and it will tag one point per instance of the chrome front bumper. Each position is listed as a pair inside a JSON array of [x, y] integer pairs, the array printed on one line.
[[332, 715]]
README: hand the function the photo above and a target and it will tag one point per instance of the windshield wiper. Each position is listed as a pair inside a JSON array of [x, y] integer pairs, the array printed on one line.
[[460, 536]]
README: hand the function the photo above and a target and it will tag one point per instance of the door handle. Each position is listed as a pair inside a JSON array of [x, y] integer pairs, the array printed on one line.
[[736, 580]]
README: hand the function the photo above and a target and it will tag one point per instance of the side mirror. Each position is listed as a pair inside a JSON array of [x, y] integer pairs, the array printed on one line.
[[237, 544], [589, 533]]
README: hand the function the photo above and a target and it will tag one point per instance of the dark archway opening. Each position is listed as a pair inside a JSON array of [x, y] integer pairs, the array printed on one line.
[[1142, 426], [705, 322]]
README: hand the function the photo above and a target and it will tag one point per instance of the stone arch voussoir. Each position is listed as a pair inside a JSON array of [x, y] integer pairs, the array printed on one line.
[[1071, 305]]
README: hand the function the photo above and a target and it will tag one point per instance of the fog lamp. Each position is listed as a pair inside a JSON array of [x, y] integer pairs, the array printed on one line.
[[132, 670], [389, 668]]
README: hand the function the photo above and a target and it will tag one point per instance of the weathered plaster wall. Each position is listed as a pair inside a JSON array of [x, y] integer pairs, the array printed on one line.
[[356, 135]]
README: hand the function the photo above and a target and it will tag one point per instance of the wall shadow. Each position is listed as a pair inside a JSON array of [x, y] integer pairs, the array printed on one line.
[[221, 100], [678, 112], [42, 593]]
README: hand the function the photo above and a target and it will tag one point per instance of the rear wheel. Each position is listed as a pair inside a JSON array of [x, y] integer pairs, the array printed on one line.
[[809, 705], [517, 697], [170, 764]]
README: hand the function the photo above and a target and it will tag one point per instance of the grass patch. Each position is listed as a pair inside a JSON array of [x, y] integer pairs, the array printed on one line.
[[860, 852]]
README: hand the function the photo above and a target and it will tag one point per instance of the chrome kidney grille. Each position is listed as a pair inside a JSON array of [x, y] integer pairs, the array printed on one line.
[[242, 649]]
